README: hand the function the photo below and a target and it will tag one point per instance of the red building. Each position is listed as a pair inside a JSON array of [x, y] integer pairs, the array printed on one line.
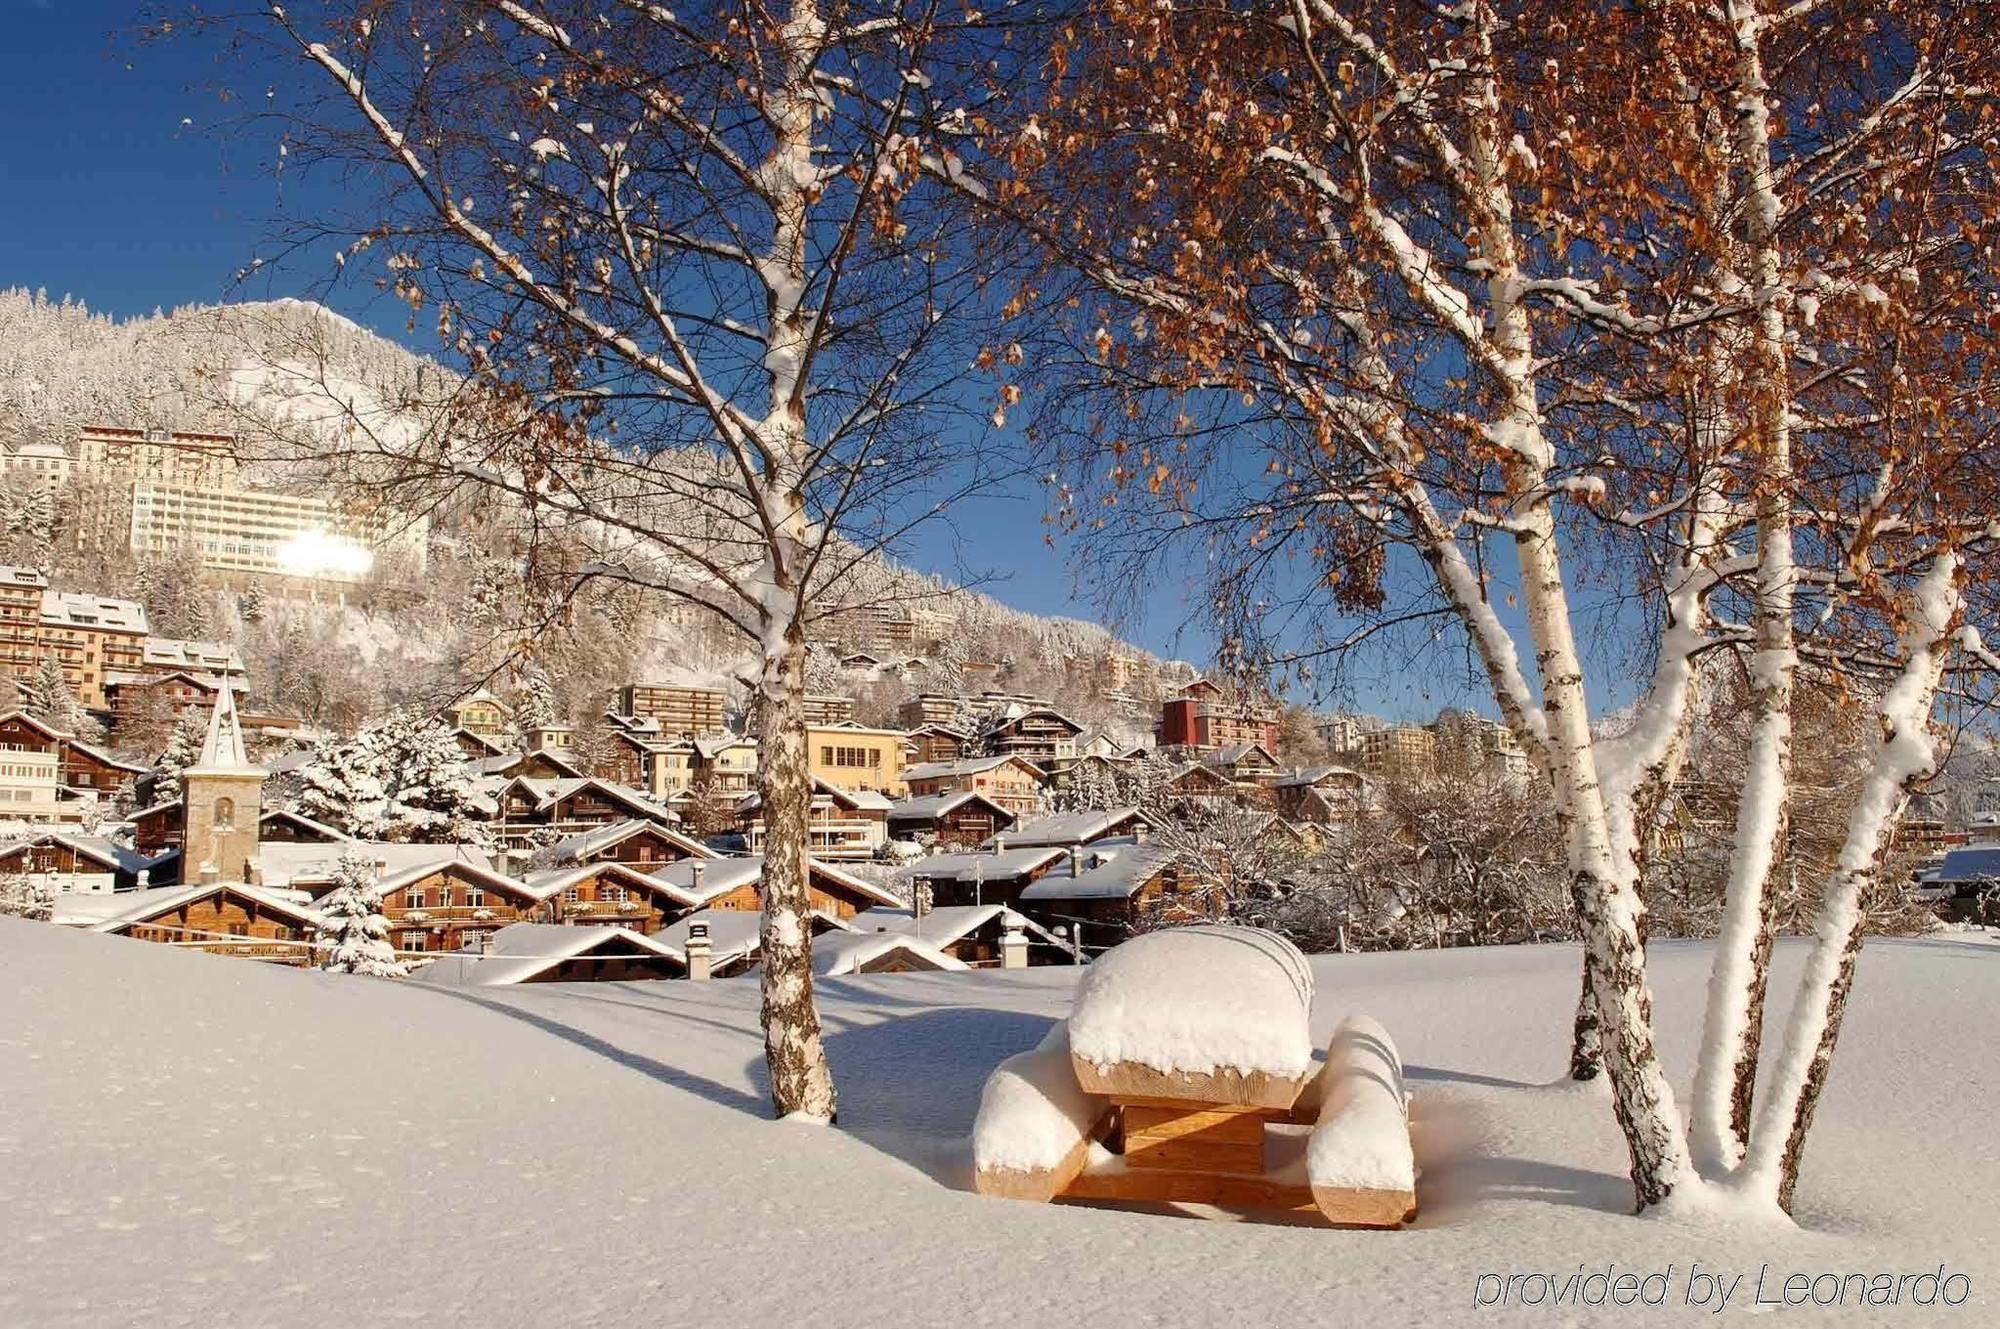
[[1205, 717]]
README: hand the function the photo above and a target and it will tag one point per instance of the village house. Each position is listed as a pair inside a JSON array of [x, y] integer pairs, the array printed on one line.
[[929, 708], [527, 807], [931, 744], [843, 824], [483, 714], [128, 695], [543, 764], [727, 763], [1105, 891], [961, 819], [551, 953], [222, 918], [1244, 764], [1325, 795], [449, 904], [1038, 734], [68, 862], [1013, 782], [828, 709], [735, 885], [856, 757], [1068, 829], [984, 876], [637, 841], [477, 747], [609, 893], [31, 756], [1203, 716], [976, 936]]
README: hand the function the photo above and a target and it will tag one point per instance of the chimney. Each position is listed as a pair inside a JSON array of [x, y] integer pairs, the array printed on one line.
[[1139, 829], [145, 878], [1013, 942], [698, 952], [695, 871], [1075, 861], [1000, 843], [210, 874], [486, 943]]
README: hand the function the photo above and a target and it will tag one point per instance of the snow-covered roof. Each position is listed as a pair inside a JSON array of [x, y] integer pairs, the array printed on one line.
[[946, 924], [298, 818], [714, 745], [1068, 828], [584, 843], [853, 953], [72, 609], [98, 754], [948, 770], [505, 762], [204, 657], [734, 934], [523, 950], [987, 865], [1107, 873], [109, 854], [222, 751], [861, 800], [500, 881], [548, 793], [933, 806], [282, 864], [719, 876], [1236, 753], [1312, 775], [144, 905], [553, 881]]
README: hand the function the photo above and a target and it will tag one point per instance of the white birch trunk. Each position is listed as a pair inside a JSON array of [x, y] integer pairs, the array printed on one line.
[[1726, 1074], [801, 1082], [1903, 755]]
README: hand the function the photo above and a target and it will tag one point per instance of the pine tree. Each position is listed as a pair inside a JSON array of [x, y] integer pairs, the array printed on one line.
[[355, 937], [50, 699], [537, 707], [182, 751], [404, 779], [251, 604]]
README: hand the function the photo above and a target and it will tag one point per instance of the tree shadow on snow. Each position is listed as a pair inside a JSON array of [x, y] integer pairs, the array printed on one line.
[[1458, 1170], [756, 1104], [909, 1086]]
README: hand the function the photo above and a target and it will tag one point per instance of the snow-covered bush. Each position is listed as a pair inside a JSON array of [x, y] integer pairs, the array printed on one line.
[[355, 936]]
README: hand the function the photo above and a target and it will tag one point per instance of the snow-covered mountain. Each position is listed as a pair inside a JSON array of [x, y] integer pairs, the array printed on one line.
[[200, 367]]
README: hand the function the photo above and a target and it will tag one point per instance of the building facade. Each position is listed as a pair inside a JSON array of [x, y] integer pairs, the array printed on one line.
[[681, 712], [267, 533]]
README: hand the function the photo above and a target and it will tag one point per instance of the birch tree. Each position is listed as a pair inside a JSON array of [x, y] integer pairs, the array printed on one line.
[[688, 265], [1409, 307]]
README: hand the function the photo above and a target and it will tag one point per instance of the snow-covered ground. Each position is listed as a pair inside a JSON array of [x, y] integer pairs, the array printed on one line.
[[189, 1140]]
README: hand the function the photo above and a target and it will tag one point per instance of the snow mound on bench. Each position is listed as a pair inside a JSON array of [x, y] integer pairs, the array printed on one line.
[[1032, 1112], [1198, 1000], [1362, 1141]]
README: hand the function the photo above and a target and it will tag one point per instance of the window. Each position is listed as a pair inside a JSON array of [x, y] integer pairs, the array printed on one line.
[[413, 941], [475, 896], [225, 814], [444, 895], [571, 895], [414, 897]]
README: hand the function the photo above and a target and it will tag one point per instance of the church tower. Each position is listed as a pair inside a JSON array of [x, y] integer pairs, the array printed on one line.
[[221, 801]]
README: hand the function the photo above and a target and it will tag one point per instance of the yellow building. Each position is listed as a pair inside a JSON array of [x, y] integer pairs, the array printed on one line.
[[855, 757]]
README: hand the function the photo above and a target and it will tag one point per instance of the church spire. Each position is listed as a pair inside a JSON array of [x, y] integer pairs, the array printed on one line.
[[223, 748]]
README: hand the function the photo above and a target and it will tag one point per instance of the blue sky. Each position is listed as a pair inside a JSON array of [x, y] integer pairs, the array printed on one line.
[[116, 189]]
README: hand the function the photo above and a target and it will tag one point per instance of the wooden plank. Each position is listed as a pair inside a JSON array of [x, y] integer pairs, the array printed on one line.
[[1040, 1186], [1230, 1191], [1350, 1207], [1128, 1080], [1194, 1139]]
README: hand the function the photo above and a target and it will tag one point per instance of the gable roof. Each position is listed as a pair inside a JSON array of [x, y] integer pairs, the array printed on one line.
[[47, 730], [523, 950], [988, 865], [1069, 828], [493, 749], [947, 924], [331, 833], [861, 800], [504, 764], [551, 882], [148, 905], [548, 793], [733, 934], [723, 875], [282, 864], [461, 868], [1108, 874], [108, 854], [933, 806], [1312, 775], [853, 952], [104, 758], [618, 832], [1237, 753], [1013, 714], [948, 770]]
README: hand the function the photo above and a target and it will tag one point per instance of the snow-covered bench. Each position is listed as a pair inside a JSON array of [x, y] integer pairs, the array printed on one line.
[[1184, 1046]]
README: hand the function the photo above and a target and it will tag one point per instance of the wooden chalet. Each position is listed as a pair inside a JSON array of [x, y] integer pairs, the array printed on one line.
[[284, 826], [92, 769], [639, 841], [984, 876], [1107, 890], [1069, 829], [610, 893], [224, 918], [932, 744], [961, 819], [545, 764], [182, 690], [1040, 734], [527, 806], [157, 830], [477, 746], [548, 953], [736, 884], [977, 936], [76, 863], [847, 825], [447, 905], [1244, 763], [1013, 782], [1322, 795]]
